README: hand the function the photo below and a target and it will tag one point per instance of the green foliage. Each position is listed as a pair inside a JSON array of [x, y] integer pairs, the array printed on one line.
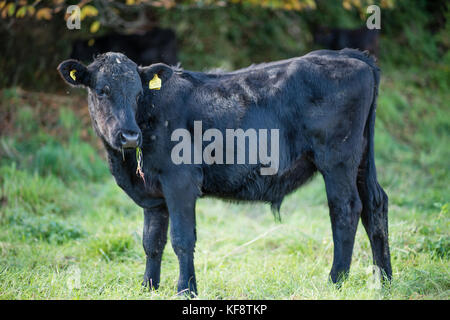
[[234, 37], [412, 39], [31, 192], [58, 150], [115, 247], [45, 228], [76, 160], [231, 36]]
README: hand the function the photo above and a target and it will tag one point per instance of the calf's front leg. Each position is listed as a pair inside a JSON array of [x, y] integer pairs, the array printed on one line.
[[183, 237], [180, 197], [156, 221]]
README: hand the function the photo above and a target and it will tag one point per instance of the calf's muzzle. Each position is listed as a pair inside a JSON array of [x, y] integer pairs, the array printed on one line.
[[129, 140]]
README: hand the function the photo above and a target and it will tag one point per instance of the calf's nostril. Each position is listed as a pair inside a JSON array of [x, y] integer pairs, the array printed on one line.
[[122, 139], [129, 140]]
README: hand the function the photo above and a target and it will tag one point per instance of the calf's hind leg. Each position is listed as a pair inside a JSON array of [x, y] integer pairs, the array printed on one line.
[[374, 217], [345, 209]]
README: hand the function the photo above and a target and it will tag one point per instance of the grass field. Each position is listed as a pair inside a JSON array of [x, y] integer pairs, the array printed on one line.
[[68, 232]]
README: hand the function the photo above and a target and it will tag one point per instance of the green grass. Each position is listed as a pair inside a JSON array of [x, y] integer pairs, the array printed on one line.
[[68, 232]]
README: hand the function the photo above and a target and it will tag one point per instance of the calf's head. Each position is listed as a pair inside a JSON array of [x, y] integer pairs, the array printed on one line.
[[114, 88]]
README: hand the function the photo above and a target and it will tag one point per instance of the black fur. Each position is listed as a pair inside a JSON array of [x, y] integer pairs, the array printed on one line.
[[324, 106]]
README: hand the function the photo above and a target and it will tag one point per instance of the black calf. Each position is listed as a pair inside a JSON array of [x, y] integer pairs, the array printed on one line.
[[321, 107]]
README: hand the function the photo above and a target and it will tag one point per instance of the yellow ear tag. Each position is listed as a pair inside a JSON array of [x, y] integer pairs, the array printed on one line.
[[72, 74], [155, 83]]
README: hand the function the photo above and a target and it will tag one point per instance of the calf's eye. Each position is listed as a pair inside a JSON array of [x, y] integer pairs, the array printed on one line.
[[104, 91]]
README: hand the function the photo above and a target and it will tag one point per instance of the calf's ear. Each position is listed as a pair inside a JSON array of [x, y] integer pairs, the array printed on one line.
[[154, 77], [74, 72]]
